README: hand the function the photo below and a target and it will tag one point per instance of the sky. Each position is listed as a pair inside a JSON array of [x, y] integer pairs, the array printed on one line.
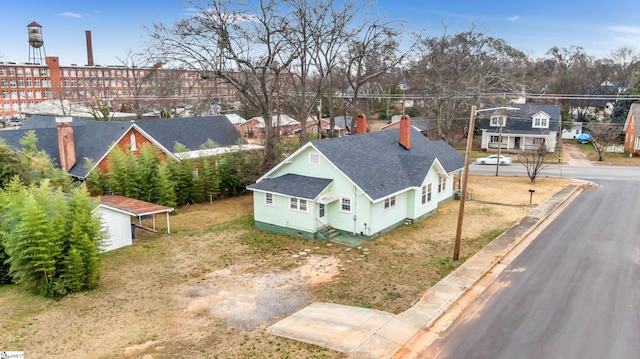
[[531, 26]]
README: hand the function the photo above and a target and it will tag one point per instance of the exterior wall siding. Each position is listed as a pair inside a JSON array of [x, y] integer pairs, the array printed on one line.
[[366, 218]]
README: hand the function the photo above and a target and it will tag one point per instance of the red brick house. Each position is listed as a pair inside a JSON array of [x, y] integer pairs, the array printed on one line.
[[632, 131]]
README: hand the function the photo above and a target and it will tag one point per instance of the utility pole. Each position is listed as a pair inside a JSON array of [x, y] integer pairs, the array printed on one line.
[[465, 178], [465, 174], [502, 119]]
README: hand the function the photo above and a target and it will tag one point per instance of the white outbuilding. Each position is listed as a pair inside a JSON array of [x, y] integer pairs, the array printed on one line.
[[116, 212]]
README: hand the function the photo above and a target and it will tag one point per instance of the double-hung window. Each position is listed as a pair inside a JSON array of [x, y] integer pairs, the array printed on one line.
[[298, 204], [389, 202], [345, 204]]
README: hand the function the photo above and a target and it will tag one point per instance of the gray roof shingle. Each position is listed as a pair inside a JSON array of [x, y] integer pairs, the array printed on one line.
[[191, 131], [294, 185], [377, 164], [92, 139], [520, 121]]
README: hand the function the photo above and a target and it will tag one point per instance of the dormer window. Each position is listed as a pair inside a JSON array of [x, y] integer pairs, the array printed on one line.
[[540, 120], [495, 120]]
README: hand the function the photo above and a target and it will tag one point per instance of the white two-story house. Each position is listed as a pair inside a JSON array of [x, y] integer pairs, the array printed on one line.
[[525, 129]]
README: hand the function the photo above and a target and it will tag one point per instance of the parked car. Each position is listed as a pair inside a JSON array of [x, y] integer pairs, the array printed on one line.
[[14, 122], [493, 159]]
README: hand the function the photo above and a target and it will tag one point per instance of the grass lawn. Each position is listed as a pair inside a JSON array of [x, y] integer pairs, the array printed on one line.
[[210, 288]]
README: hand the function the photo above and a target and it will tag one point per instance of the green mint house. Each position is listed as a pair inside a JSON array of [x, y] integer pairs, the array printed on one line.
[[362, 185]]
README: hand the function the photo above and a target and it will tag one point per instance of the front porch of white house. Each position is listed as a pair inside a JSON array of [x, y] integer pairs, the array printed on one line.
[[518, 142]]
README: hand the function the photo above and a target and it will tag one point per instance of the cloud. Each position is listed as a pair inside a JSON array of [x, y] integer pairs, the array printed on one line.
[[71, 14], [514, 18], [629, 30]]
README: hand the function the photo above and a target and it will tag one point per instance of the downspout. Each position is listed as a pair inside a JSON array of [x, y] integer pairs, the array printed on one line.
[[355, 217]]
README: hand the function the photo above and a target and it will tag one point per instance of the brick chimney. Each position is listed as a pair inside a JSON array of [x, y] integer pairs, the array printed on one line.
[[361, 124], [405, 132], [66, 144], [87, 35]]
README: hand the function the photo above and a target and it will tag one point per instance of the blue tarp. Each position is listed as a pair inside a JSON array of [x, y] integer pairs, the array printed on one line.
[[584, 138]]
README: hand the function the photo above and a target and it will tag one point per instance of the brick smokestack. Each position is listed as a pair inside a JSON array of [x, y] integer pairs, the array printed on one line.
[[87, 34], [66, 144], [361, 124], [405, 132]]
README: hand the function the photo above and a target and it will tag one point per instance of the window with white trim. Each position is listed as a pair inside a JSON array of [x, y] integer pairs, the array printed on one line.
[[442, 184], [132, 142], [314, 158], [298, 204], [345, 204], [495, 120], [268, 199], [426, 193], [540, 122], [390, 202]]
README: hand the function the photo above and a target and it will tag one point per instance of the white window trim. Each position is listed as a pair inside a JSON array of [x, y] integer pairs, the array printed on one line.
[[426, 194], [442, 184], [495, 119], [342, 199], [295, 204], [132, 142], [389, 202], [268, 199], [544, 122]]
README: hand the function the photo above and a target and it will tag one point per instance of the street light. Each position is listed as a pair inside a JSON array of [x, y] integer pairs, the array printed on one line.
[[465, 173], [503, 118]]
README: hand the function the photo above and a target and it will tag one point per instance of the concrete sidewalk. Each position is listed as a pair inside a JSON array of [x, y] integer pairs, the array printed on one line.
[[370, 333]]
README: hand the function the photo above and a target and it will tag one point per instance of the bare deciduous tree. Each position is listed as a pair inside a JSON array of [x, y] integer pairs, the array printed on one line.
[[329, 48], [375, 51], [534, 161], [452, 72], [604, 134], [241, 44]]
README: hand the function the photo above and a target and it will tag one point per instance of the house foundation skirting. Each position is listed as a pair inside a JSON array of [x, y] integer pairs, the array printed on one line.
[[294, 232]]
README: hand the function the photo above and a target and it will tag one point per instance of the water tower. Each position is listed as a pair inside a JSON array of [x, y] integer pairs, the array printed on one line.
[[36, 43]]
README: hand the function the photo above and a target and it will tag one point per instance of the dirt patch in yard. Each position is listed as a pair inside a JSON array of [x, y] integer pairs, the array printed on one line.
[[212, 286]]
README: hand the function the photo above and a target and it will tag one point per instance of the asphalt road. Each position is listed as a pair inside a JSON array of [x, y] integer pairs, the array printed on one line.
[[590, 173], [573, 293]]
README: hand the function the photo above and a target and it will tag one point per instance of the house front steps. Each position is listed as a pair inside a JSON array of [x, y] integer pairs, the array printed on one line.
[[333, 235]]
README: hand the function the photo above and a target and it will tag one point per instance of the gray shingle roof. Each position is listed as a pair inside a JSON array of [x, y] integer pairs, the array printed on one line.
[[92, 139], [191, 131], [520, 122], [376, 162], [294, 185]]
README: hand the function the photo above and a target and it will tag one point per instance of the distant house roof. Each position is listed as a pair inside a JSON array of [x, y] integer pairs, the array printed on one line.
[[294, 185], [340, 121], [277, 121], [520, 121], [633, 115], [235, 119], [192, 132], [68, 108], [377, 164], [419, 123], [94, 139]]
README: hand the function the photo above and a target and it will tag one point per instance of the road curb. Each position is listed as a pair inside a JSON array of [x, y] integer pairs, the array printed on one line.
[[440, 298]]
